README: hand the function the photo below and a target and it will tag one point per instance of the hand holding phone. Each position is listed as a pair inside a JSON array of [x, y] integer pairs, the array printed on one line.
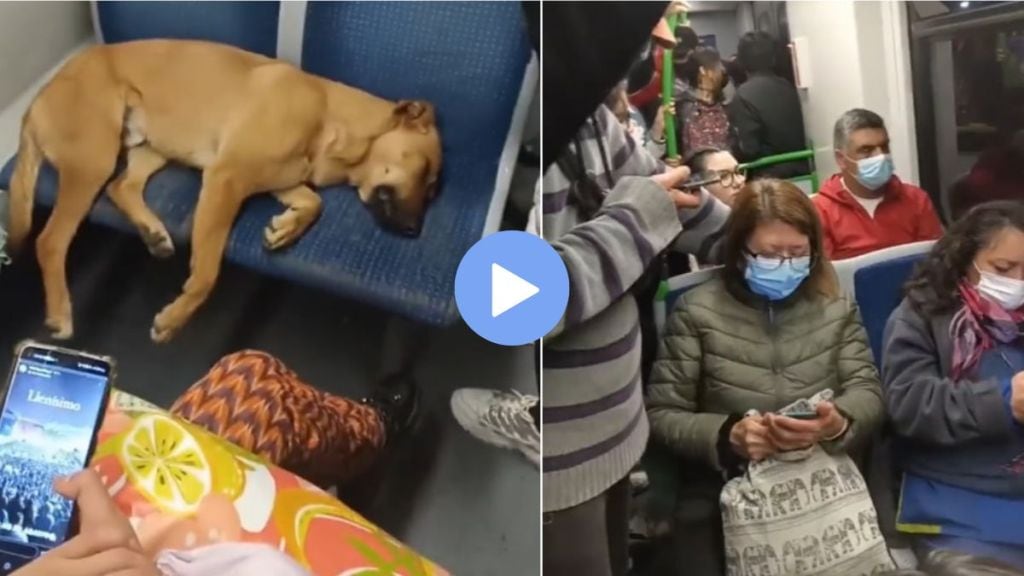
[[106, 544], [52, 407], [789, 433], [670, 180], [700, 180], [799, 427]]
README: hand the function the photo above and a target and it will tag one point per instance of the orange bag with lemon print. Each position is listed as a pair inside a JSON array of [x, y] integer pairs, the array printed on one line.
[[183, 487]]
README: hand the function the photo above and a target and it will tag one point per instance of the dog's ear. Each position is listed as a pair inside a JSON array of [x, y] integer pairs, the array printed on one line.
[[417, 114]]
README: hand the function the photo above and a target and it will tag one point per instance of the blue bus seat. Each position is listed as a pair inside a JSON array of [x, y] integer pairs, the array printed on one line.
[[472, 60], [879, 290], [673, 288]]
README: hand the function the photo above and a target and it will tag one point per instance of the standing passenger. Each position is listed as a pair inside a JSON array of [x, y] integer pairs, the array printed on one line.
[[765, 112]]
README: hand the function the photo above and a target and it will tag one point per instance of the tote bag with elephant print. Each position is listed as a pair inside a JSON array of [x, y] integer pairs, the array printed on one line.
[[809, 513]]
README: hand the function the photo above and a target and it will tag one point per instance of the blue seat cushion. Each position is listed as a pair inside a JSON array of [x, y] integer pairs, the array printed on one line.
[[879, 289]]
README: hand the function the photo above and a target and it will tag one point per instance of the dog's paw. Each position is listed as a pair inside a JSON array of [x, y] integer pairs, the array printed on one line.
[[162, 331], [61, 328], [158, 242], [283, 230]]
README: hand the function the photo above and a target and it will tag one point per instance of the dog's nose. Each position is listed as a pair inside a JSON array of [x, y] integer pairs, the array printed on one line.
[[409, 230]]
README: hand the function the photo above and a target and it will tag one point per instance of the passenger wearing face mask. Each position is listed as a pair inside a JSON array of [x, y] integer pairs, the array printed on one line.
[[866, 207], [953, 373], [772, 328]]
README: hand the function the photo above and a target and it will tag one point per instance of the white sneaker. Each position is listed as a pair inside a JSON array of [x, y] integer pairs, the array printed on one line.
[[499, 418]]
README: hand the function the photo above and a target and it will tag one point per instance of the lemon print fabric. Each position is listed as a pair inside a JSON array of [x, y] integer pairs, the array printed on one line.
[[174, 479], [166, 464]]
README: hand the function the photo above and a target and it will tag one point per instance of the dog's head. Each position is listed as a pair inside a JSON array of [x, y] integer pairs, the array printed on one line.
[[398, 176]]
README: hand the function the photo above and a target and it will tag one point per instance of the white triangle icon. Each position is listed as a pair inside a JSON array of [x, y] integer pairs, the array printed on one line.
[[508, 290]]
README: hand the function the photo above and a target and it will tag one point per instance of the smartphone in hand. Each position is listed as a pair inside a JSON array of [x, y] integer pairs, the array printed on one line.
[[697, 181], [801, 415], [53, 405]]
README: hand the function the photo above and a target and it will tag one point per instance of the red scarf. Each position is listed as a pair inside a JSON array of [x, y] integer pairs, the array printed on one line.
[[978, 326]]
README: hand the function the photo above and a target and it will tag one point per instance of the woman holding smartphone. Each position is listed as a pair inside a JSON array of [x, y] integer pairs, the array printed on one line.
[[772, 328], [954, 388]]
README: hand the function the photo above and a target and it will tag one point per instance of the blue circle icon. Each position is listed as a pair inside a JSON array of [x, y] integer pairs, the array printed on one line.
[[511, 288]]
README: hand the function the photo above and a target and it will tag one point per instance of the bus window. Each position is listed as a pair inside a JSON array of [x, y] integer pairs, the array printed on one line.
[[970, 105]]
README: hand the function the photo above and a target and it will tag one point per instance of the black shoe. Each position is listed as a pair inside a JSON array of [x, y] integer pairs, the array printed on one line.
[[396, 397], [529, 153]]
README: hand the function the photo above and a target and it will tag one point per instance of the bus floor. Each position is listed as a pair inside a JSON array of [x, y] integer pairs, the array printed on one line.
[[470, 507]]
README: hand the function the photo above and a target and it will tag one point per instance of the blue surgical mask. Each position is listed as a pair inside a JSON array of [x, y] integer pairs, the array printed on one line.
[[874, 172], [776, 278]]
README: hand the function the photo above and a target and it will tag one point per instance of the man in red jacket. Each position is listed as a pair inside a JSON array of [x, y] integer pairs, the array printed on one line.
[[865, 207]]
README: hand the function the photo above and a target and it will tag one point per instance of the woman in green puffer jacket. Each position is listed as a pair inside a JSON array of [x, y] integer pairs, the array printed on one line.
[[770, 329]]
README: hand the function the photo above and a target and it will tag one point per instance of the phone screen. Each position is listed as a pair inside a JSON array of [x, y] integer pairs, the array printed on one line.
[[53, 404]]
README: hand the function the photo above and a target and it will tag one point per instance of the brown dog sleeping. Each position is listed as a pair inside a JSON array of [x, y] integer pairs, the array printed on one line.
[[252, 124]]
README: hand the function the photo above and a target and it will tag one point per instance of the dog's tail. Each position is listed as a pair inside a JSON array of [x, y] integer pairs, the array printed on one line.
[[23, 189]]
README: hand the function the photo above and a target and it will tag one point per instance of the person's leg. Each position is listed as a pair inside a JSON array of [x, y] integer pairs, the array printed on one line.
[[698, 546], [617, 524], [253, 400], [576, 539]]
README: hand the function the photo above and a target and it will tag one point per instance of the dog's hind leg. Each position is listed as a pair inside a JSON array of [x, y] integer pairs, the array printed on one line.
[[126, 192], [79, 186], [303, 207], [220, 200]]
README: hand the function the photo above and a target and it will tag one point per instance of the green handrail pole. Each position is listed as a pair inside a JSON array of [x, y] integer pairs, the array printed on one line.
[[779, 159], [667, 82]]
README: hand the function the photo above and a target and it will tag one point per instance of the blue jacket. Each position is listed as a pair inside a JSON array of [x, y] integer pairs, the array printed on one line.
[[956, 441]]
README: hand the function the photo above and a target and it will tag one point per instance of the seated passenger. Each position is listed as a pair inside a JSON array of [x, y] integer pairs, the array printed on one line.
[[771, 329], [998, 174], [953, 370], [865, 207]]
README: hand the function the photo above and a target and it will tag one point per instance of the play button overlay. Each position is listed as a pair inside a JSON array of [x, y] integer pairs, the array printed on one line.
[[508, 290], [511, 288]]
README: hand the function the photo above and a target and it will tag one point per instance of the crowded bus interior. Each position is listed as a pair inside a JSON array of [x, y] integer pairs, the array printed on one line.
[[826, 343]]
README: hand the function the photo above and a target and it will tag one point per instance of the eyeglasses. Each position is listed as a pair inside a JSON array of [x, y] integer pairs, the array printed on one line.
[[772, 262], [731, 177]]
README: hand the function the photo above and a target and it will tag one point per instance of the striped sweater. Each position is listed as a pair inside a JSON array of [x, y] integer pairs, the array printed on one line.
[[595, 427]]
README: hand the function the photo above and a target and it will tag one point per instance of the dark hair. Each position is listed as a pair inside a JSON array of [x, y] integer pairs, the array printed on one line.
[[950, 563], [735, 70], [688, 39], [702, 57], [850, 122], [698, 159], [765, 201], [756, 52], [932, 288]]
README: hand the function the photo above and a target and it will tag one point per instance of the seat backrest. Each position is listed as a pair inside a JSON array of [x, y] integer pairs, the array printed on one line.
[[472, 60], [879, 290], [675, 287], [845, 269], [251, 26]]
